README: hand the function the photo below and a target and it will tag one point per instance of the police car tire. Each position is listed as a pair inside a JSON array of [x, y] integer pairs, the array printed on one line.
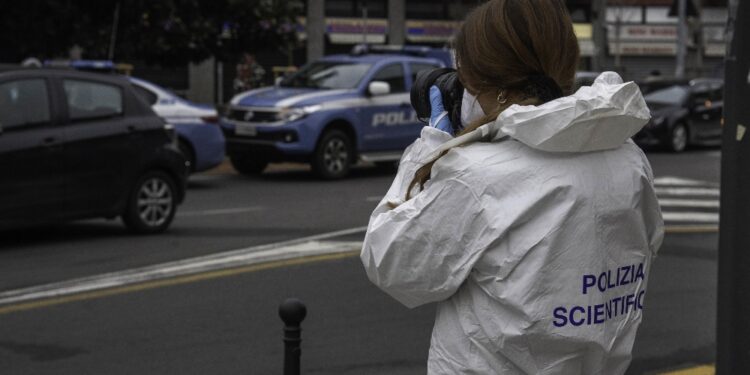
[[132, 217], [331, 145], [249, 166]]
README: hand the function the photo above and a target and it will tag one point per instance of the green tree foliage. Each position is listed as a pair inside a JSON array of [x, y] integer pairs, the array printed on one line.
[[163, 32]]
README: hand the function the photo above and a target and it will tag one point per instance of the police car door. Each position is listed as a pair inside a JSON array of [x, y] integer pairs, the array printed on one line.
[[384, 114]]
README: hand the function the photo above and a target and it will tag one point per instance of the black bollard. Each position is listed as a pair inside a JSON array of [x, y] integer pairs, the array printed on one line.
[[292, 312]]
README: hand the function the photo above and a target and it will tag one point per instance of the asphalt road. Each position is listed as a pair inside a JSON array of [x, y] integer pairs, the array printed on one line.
[[228, 324]]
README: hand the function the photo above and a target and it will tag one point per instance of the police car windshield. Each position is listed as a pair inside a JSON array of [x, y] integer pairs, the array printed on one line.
[[327, 75]]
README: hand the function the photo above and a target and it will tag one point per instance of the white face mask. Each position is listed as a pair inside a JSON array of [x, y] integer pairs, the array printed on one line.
[[470, 109]]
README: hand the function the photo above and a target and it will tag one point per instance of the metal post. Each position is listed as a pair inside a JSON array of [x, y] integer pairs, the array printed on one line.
[[220, 82], [113, 36], [681, 38], [364, 22], [315, 28], [397, 22], [733, 325], [599, 33], [292, 312]]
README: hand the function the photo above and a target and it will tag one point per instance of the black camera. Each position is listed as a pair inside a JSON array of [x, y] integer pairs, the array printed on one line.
[[446, 80]]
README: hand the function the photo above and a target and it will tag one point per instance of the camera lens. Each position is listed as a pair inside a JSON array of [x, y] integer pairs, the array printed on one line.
[[446, 80]]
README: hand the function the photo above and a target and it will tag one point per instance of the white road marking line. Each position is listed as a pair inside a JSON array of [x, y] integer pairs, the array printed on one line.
[[688, 203], [687, 191], [302, 247], [679, 181], [221, 211], [697, 217], [376, 198]]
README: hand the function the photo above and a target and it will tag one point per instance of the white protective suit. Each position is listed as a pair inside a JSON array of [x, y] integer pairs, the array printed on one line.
[[535, 237]]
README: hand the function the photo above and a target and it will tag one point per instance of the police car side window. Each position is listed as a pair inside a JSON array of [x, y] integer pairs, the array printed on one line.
[[24, 102], [418, 67], [394, 75]]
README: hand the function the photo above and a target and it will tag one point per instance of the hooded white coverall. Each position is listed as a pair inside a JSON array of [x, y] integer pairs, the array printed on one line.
[[535, 238]]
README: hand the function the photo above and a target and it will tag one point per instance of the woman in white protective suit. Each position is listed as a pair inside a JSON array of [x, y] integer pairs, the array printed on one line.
[[535, 227]]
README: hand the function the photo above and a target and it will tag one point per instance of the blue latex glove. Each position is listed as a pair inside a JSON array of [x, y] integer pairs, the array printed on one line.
[[438, 116]]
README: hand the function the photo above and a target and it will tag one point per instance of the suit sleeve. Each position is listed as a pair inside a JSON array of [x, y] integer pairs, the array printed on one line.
[[424, 249]]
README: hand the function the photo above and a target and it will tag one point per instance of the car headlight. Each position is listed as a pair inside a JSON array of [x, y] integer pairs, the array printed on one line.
[[293, 114]]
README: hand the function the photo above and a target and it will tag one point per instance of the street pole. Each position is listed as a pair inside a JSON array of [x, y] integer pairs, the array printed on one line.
[[733, 325], [396, 22], [599, 34], [364, 22], [681, 38], [113, 36], [315, 29]]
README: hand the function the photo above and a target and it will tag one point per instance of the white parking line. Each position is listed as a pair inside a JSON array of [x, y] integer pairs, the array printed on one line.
[[221, 211], [680, 181], [693, 203], [696, 217], [712, 192], [302, 247]]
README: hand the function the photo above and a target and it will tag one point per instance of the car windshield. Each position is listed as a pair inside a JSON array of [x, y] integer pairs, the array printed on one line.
[[327, 75], [674, 95]]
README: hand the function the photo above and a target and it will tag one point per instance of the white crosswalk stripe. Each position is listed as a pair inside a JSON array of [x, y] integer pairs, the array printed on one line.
[[687, 202]]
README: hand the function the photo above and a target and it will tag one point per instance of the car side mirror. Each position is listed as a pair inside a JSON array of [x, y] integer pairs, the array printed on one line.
[[376, 88]]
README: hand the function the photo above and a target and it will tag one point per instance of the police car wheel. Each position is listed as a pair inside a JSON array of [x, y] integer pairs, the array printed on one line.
[[151, 205], [333, 155], [249, 166]]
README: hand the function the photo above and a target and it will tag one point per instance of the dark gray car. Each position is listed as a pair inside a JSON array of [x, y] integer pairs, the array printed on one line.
[[77, 145]]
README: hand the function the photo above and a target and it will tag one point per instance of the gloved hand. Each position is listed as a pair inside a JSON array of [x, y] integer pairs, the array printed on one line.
[[439, 116]]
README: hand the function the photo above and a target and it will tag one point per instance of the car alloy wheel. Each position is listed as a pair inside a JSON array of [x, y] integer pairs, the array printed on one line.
[[155, 202], [152, 203], [333, 155]]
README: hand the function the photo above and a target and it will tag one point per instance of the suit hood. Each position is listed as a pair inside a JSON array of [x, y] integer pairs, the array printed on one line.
[[598, 117]]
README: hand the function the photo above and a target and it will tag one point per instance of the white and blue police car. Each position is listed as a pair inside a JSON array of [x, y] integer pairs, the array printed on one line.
[[199, 135], [331, 113]]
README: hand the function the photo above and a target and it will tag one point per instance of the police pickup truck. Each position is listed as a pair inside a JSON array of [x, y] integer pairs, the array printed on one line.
[[332, 112]]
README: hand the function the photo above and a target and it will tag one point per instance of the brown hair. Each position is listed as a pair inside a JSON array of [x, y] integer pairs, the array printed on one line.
[[513, 48]]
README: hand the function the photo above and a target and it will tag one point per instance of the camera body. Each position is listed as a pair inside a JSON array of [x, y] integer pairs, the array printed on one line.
[[446, 80]]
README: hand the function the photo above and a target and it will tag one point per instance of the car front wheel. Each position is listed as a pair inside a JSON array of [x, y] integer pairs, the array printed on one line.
[[333, 155], [151, 204]]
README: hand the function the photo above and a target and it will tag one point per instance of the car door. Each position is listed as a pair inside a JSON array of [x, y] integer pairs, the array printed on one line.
[[100, 144], [31, 145], [705, 113], [383, 117]]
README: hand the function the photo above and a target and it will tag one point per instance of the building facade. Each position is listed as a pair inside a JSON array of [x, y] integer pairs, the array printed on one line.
[[639, 36]]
